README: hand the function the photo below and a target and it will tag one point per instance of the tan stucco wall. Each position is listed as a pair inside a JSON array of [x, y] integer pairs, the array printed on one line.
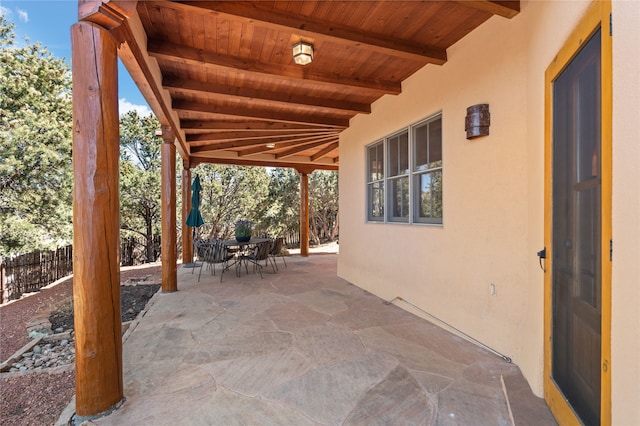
[[625, 316], [493, 192]]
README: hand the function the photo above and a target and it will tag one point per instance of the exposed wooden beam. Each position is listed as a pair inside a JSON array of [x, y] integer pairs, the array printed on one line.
[[263, 148], [299, 148], [253, 13], [175, 84], [224, 145], [122, 19], [250, 126], [260, 114], [325, 151], [199, 57], [506, 9], [195, 160], [218, 146], [259, 137]]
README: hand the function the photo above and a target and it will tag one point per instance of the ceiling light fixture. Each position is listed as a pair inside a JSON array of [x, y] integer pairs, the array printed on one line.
[[302, 53], [271, 145]]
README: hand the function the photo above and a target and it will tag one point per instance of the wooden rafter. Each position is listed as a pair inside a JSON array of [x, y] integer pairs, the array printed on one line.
[[299, 148], [506, 9], [255, 136], [263, 148], [199, 57], [218, 146], [176, 84], [199, 159], [325, 151], [260, 114], [253, 12], [249, 126]]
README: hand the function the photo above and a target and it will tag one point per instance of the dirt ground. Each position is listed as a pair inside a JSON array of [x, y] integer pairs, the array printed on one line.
[[39, 398]]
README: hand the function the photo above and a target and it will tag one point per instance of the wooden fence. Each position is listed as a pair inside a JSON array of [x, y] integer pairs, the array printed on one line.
[[133, 250], [32, 271]]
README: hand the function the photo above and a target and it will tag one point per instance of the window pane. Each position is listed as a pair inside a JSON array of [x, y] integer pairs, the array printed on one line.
[[380, 153], [371, 172], [403, 141], [421, 147], [429, 202], [376, 201], [400, 198], [376, 162], [435, 143], [393, 156], [399, 154]]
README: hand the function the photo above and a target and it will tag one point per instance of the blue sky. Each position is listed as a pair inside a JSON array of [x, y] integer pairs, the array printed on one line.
[[49, 22]]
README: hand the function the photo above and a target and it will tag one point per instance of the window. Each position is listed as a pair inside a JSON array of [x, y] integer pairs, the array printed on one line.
[[412, 174], [375, 181], [398, 147], [427, 172]]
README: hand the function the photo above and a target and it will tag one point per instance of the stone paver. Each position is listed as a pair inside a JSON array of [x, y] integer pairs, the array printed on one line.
[[303, 347]]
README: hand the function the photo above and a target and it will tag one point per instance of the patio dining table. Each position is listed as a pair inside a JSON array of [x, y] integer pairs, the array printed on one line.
[[242, 247]]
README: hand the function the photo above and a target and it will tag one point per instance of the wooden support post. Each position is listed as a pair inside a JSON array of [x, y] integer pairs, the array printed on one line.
[[168, 212], [304, 214], [187, 238], [96, 221], [3, 283]]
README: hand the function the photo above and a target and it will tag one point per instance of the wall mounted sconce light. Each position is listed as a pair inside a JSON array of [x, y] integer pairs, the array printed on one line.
[[477, 121], [302, 53]]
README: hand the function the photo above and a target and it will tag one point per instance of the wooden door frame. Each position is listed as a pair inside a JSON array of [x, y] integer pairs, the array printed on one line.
[[597, 16]]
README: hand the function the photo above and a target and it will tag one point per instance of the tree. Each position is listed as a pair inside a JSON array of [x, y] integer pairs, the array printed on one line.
[[323, 205], [282, 213], [35, 146], [140, 178], [230, 193]]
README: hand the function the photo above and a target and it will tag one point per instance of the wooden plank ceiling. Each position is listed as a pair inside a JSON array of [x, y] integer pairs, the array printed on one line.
[[221, 74]]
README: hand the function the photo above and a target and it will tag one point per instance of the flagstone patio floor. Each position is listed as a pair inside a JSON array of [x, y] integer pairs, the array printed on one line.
[[304, 347]]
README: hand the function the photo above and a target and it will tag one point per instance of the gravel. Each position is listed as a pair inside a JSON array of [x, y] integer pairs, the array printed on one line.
[[38, 398]]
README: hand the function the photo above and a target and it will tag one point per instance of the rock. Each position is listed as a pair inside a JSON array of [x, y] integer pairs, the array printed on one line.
[[64, 343], [37, 349], [35, 334], [59, 330]]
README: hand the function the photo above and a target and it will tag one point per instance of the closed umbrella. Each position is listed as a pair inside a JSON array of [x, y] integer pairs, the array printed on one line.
[[194, 219]]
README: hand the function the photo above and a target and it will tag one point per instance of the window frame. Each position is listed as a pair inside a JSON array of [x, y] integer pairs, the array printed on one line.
[[400, 175], [372, 183], [417, 171], [411, 175]]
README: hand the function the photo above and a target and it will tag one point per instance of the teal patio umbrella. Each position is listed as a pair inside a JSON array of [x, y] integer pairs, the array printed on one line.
[[194, 220]]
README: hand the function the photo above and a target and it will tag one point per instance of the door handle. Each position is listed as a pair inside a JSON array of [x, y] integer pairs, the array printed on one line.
[[542, 254]]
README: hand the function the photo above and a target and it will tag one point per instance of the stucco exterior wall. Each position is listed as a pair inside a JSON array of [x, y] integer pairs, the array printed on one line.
[[493, 192], [625, 304]]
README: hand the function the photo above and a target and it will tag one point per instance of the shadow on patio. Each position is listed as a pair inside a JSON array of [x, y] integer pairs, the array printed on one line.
[[305, 347]]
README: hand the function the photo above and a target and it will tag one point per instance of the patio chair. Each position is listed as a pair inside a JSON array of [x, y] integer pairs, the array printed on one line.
[[200, 248], [259, 253], [276, 250], [216, 252]]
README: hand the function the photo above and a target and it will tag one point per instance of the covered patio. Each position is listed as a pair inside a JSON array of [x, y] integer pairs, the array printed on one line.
[[305, 347], [222, 79]]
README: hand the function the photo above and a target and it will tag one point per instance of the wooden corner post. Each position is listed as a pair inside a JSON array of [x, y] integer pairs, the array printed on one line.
[[187, 239], [304, 211], [168, 214], [96, 221]]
